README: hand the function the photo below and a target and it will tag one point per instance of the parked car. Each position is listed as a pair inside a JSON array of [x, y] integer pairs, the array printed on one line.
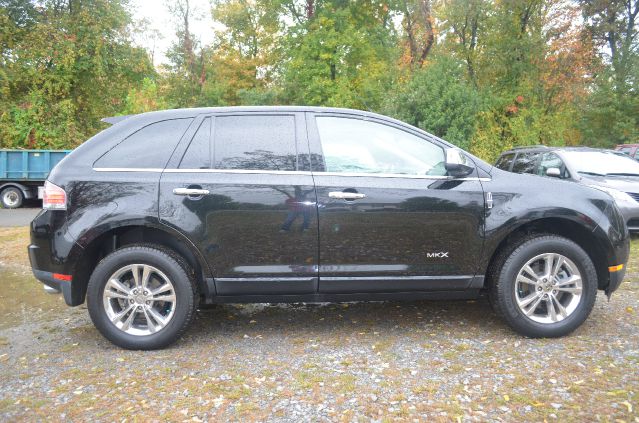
[[166, 211], [23, 172], [632, 150], [606, 170]]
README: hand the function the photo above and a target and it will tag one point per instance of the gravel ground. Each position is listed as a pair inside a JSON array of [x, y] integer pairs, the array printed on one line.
[[436, 361]]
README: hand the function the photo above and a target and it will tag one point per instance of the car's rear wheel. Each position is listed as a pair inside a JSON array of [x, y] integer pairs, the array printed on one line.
[[142, 297], [545, 286], [11, 198]]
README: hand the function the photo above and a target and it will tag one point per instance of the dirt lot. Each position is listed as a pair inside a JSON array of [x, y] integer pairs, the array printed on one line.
[[437, 361]]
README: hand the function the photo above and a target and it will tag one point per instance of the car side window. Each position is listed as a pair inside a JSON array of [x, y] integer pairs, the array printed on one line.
[[626, 150], [359, 146], [149, 147], [198, 155], [551, 160], [255, 142], [525, 163], [505, 161]]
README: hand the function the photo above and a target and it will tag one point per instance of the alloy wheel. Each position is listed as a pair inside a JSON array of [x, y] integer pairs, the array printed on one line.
[[139, 299], [548, 288]]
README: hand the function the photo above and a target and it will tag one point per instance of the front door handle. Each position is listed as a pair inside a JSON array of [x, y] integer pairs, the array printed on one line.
[[192, 192], [346, 195]]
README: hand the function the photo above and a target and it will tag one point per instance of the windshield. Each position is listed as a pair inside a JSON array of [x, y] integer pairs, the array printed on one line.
[[601, 163]]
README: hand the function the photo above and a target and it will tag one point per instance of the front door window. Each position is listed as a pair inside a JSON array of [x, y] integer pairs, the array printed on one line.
[[359, 146]]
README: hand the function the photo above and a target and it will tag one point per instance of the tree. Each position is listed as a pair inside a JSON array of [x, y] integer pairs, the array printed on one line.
[[464, 24], [245, 55], [419, 30], [66, 65], [438, 100], [611, 113], [341, 54], [186, 71]]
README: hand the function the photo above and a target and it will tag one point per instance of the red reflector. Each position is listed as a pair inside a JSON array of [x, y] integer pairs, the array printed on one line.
[[61, 277]]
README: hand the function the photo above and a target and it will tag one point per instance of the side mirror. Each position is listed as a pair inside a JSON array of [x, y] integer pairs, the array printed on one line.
[[553, 172], [457, 165]]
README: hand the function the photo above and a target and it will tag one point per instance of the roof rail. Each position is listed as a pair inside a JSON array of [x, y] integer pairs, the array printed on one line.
[[521, 147], [115, 119]]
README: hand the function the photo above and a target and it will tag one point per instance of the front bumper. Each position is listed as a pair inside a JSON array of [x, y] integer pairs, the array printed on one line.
[[630, 213], [615, 280]]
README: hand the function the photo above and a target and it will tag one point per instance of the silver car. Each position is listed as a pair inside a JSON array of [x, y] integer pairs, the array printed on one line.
[[606, 170]]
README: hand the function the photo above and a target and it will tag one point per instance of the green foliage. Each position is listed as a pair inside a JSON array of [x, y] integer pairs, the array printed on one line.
[[147, 98], [610, 117], [439, 100], [65, 65], [340, 56]]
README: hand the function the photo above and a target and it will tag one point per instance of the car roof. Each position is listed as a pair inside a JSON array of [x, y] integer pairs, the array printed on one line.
[[192, 112], [189, 112]]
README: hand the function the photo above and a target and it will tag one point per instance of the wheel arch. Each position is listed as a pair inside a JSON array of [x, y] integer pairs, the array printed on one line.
[[567, 228], [25, 190], [89, 252]]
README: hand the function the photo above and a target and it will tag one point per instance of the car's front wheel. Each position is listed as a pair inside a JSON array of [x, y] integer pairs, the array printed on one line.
[[545, 286], [142, 297]]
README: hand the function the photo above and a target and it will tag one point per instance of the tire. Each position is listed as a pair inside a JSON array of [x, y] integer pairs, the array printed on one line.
[[566, 305], [11, 198], [156, 320]]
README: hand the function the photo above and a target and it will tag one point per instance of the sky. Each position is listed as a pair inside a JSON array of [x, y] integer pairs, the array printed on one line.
[[159, 19]]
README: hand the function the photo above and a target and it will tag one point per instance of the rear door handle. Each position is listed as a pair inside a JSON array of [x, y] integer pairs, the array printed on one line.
[[190, 191], [346, 195]]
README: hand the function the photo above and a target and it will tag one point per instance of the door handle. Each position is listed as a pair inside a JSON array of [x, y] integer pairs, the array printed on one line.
[[190, 191], [346, 195]]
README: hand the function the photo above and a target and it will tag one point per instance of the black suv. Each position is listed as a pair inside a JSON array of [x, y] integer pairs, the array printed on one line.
[[166, 211]]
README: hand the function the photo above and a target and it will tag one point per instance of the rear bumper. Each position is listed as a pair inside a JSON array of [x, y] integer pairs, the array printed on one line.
[[54, 252], [62, 286]]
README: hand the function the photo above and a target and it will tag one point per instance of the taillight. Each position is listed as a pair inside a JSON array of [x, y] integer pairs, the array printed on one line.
[[54, 197]]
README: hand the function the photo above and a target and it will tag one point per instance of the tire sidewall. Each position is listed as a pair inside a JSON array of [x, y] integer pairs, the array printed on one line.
[[518, 259], [166, 264]]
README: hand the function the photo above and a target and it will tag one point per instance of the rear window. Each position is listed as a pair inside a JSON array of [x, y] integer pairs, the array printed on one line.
[[505, 161], [525, 163], [149, 147], [254, 142]]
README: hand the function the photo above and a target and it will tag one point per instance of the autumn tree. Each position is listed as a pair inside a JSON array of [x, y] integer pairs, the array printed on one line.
[[64, 65], [245, 56], [419, 30]]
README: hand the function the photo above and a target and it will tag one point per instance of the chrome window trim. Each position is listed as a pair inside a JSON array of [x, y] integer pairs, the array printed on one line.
[[128, 169], [291, 172]]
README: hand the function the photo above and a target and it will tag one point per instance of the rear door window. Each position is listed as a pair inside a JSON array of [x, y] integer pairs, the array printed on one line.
[[255, 142], [526, 163], [149, 147]]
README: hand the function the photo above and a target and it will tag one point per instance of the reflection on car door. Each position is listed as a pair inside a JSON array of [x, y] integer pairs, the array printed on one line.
[[239, 194], [390, 220]]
